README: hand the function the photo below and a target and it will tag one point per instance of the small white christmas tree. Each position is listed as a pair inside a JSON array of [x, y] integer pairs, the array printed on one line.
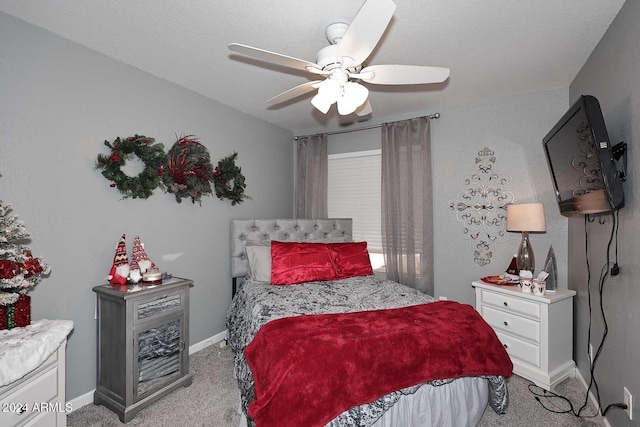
[[19, 269]]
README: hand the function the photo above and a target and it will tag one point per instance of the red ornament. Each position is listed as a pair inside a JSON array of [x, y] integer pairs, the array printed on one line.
[[31, 266], [114, 158], [8, 269]]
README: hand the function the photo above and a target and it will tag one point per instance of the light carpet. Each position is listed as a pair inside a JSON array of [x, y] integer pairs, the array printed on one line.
[[212, 401]]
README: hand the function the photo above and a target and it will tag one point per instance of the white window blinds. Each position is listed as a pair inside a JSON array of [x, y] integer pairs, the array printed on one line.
[[354, 191]]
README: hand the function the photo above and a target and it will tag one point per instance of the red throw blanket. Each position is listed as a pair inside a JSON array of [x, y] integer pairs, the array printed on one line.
[[309, 369]]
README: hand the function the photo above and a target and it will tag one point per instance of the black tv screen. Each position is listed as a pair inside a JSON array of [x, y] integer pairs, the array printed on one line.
[[581, 160]]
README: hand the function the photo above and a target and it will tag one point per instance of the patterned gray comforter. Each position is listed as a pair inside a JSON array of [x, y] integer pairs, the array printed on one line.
[[257, 303]]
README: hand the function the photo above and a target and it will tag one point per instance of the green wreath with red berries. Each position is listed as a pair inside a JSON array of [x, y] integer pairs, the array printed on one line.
[[228, 180], [152, 155]]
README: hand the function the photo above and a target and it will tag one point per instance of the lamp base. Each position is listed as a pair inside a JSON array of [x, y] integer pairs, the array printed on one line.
[[525, 260]]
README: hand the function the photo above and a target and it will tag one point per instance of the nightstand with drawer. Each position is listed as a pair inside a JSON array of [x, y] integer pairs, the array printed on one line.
[[32, 374], [536, 331], [143, 344]]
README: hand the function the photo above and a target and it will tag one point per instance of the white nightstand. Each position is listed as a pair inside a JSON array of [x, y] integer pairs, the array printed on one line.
[[32, 374], [537, 331]]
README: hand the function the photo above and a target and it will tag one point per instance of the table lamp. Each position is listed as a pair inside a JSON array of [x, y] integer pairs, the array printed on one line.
[[526, 217]]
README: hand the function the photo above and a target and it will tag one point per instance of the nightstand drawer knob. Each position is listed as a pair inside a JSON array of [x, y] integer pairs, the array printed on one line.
[[506, 323], [505, 303], [505, 346]]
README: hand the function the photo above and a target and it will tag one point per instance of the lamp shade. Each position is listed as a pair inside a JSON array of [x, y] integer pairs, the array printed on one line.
[[526, 217]]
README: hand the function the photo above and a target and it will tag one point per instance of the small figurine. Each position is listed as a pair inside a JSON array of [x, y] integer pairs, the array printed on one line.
[[140, 261], [119, 273]]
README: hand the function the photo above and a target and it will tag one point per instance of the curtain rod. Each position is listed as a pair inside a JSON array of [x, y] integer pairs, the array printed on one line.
[[430, 116]]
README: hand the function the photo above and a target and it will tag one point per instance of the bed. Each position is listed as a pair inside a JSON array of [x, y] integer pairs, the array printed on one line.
[[324, 352]]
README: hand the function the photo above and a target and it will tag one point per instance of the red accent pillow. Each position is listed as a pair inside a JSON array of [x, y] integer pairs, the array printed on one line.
[[294, 262], [351, 259]]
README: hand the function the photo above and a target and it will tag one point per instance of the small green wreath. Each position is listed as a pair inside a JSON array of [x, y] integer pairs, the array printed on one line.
[[228, 180], [152, 155]]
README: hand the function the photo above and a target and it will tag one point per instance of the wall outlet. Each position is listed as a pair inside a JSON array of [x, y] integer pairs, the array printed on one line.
[[628, 400]]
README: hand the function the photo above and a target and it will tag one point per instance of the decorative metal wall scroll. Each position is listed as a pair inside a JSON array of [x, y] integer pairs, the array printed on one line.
[[480, 207]]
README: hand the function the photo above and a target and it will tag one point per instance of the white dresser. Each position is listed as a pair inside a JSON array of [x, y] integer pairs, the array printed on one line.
[[35, 355], [536, 331]]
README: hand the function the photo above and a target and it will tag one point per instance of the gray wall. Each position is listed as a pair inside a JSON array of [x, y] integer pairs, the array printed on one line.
[[513, 127], [59, 102], [366, 139], [611, 75]]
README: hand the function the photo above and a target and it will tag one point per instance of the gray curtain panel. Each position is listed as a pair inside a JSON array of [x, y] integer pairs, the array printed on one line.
[[311, 177], [407, 226]]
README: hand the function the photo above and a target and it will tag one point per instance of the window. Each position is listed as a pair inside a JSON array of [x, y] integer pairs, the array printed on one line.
[[354, 191]]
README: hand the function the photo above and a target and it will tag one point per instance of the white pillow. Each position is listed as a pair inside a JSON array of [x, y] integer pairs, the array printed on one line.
[[259, 262]]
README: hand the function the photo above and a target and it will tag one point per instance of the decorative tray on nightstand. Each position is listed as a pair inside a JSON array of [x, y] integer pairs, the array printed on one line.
[[500, 280]]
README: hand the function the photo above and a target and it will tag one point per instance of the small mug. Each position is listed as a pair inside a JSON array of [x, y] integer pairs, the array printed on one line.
[[539, 286], [526, 284]]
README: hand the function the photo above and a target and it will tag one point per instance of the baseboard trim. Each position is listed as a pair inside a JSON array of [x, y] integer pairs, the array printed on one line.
[[208, 342], [87, 398], [81, 400], [592, 398]]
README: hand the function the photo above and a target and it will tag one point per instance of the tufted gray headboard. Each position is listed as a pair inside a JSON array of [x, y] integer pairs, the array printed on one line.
[[294, 230]]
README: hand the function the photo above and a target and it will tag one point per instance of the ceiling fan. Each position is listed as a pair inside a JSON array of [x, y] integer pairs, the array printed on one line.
[[341, 63]]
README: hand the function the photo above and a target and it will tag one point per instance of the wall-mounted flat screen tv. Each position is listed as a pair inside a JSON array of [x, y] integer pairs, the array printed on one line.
[[583, 163]]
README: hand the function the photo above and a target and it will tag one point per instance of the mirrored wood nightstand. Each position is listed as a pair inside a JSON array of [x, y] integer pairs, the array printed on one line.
[[143, 344]]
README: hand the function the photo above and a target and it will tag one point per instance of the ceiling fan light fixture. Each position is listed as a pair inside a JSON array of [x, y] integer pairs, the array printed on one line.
[[345, 106], [356, 92], [353, 96], [321, 103], [350, 46], [328, 93]]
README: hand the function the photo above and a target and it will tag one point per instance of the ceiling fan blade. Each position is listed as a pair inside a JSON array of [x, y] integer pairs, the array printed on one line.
[[274, 58], [294, 92], [402, 74], [365, 109], [365, 31]]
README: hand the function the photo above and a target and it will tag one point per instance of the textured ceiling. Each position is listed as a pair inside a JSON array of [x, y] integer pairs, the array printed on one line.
[[493, 47]]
